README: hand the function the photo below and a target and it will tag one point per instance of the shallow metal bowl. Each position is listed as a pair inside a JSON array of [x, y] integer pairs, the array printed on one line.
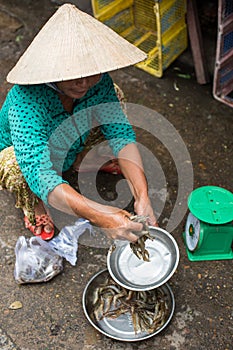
[[136, 274], [120, 328]]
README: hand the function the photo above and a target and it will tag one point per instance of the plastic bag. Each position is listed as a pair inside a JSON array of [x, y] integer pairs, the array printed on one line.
[[39, 261], [65, 243], [35, 261]]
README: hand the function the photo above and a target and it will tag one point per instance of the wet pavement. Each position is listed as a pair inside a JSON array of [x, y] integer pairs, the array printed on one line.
[[51, 316]]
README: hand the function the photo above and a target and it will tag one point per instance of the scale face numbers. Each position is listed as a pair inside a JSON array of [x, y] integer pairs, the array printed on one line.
[[192, 232]]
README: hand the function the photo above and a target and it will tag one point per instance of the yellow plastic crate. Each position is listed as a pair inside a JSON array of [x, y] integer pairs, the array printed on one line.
[[156, 27]]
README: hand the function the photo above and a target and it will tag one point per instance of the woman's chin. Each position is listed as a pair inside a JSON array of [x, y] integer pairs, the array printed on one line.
[[78, 94]]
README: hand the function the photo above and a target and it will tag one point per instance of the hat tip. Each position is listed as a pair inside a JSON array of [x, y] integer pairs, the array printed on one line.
[[68, 6]]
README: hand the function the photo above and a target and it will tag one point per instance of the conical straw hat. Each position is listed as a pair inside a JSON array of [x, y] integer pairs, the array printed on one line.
[[73, 44]]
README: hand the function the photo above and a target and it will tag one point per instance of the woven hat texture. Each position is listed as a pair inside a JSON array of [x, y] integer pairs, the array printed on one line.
[[71, 45]]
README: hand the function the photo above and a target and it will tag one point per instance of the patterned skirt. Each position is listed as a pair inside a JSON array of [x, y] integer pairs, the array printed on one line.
[[11, 177]]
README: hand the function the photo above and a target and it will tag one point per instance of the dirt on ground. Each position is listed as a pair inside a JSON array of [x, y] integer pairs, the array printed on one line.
[[187, 138]]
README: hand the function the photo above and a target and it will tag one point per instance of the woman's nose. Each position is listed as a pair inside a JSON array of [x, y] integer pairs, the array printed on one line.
[[82, 82]]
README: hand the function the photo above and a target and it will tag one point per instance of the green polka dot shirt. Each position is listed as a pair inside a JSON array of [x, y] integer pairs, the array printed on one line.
[[46, 138]]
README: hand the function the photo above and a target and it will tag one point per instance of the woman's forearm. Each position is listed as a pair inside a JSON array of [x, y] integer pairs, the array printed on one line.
[[132, 168], [68, 200], [131, 165], [114, 221]]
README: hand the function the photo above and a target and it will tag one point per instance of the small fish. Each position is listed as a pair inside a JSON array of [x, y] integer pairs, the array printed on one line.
[[99, 309], [107, 304], [148, 309], [136, 321], [117, 297], [130, 295], [138, 247], [116, 312]]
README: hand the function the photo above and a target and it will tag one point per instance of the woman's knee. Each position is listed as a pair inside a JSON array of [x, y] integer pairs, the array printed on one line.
[[10, 172]]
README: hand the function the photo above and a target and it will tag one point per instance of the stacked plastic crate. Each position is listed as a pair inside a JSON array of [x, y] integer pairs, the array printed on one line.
[[156, 27], [223, 74]]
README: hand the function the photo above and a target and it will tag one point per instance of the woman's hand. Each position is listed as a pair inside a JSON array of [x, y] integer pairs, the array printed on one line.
[[120, 227], [142, 206]]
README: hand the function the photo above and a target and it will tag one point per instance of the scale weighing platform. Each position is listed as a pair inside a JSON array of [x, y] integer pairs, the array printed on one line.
[[209, 227]]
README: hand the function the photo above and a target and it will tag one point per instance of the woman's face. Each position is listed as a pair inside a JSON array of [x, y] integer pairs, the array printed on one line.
[[77, 88]]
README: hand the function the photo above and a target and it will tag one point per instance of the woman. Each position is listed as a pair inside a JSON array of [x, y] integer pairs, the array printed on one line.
[[61, 87]]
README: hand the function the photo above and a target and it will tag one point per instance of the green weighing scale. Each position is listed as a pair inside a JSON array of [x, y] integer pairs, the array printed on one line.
[[209, 227]]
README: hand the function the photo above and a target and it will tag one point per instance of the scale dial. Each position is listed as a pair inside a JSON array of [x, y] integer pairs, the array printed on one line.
[[192, 232]]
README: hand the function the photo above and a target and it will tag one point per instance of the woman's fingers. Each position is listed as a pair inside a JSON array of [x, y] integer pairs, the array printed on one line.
[[132, 237], [134, 226], [153, 222], [125, 232], [122, 235]]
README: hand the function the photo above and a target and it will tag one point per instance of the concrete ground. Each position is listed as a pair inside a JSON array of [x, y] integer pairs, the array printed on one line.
[[51, 316]]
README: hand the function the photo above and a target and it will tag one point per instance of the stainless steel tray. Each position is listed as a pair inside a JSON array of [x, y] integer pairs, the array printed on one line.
[[136, 274], [120, 328]]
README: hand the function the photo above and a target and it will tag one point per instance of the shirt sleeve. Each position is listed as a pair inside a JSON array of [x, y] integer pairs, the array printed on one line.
[[112, 120], [30, 140]]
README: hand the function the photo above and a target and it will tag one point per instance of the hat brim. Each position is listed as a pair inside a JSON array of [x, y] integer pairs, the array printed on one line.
[[71, 45]]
